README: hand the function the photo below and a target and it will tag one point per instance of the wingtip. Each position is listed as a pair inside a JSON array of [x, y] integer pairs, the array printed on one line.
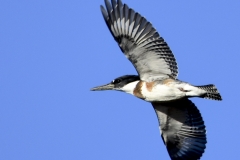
[[102, 8]]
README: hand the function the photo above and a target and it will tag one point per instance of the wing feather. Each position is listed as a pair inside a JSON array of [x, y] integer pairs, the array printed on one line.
[[140, 42], [182, 129]]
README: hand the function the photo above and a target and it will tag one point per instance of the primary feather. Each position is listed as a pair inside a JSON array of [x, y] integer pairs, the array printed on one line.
[[140, 42]]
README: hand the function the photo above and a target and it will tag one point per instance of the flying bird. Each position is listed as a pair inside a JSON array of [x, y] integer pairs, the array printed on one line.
[[180, 122]]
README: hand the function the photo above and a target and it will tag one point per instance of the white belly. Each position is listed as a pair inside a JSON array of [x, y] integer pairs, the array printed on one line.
[[161, 93]]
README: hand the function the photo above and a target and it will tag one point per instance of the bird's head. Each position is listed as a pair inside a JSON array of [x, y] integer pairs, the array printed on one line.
[[125, 83]]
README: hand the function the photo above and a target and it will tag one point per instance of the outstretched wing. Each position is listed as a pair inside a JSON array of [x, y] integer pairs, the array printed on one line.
[[140, 42], [182, 129]]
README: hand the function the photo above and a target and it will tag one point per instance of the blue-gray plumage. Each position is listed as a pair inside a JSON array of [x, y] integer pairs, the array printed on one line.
[[180, 122]]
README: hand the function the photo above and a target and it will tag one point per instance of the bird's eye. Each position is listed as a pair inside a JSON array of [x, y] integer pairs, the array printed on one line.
[[115, 81]]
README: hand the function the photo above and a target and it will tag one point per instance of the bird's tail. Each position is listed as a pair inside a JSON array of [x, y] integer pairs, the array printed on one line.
[[212, 92]]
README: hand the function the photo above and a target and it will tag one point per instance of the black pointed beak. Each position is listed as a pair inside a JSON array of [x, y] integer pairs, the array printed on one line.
[[109, 86]]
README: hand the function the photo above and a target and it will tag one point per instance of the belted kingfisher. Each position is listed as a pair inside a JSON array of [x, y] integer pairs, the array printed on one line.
[[181, 125]]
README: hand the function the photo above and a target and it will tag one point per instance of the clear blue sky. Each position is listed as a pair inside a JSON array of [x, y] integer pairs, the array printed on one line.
[[53, 52]]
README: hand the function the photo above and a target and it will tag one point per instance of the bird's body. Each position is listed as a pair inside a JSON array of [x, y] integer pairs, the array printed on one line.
[[158, 91], [180, 122], [165, 90]]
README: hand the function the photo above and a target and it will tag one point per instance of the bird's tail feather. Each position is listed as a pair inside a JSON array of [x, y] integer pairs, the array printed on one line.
[[212, 92]]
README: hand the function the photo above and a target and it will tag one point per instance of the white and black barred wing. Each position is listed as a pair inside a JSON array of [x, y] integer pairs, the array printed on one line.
[[182, 129], [140, 42]]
